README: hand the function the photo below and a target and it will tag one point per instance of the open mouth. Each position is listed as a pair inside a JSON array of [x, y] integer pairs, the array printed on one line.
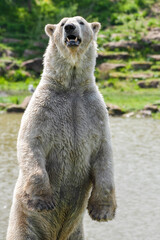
[[72, 41]]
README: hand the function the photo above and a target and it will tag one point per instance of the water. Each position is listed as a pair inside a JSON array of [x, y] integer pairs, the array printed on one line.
[[136, 145]]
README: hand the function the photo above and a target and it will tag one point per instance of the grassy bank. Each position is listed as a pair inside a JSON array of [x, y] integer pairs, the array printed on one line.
[[128, 41]]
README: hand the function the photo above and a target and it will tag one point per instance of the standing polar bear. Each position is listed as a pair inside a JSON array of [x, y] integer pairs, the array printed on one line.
[[64, 146]]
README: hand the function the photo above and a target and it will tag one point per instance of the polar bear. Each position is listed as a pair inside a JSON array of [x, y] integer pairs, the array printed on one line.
[[64, 144]]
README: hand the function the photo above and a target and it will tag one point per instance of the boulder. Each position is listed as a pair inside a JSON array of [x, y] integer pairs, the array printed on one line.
[[114, 110], [7, 53], [153, 34], [141, 65], [102, 36], [155, 57], [105, 67], [122, 45], [29, 52], [11, 40], [39, 44], [141, 75], [110, 56], [15, 109], [151, 108], [155, 68], [19, 108], [129, 114], [118, 75], [3, 106], [33, 65], [144, 113], [12, 66], [25, 102], [149, 84], [155, 46]]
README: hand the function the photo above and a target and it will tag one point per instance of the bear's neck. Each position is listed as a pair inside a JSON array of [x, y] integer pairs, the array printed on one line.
[[72, 72]]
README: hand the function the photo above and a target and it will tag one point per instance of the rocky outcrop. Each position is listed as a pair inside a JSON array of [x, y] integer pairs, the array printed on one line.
[[105, 67], [110, 56], [154, 57], [151, 108], [29, 52], [33, 65], [15, 108], [122, 45], [153, 34], [141, 65], [149, 84], [7, 53], [114, 110], [11, 40]]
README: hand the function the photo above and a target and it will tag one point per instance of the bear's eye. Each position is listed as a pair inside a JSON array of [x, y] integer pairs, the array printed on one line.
[[62, 24], [82, 23]]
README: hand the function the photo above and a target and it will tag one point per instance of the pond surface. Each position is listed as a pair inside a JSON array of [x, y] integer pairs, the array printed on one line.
[[136, 144]]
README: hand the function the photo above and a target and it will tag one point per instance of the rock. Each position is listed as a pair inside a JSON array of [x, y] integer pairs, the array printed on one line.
[[105, 67], [157, 103], [114, 110], [12, 66], [122, 45], [155, 46], [6, 62], [141, 75], [39, 44], [19, 108], [151, 108], [149, 84], [3, 94], [33, 64], [7, 53], [25, 102], [118, 35], [11, 73], [128, 115], [141, 65], [102, 36], [155, 68], [109, 56], [144, 113], [118, 75], [15, 109], [28, 53], [155, 57], [3, 106], [11, 40], [153, 34], [2, 71], [44, 36]]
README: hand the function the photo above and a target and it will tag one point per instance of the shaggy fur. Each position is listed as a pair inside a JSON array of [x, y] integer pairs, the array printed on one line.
[[64, 145]]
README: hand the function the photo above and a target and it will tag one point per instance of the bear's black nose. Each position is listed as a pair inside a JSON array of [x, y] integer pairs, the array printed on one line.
[[69, 28]]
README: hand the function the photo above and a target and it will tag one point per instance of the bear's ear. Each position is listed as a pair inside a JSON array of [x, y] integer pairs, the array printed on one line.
[[95, 27], [49, 29]]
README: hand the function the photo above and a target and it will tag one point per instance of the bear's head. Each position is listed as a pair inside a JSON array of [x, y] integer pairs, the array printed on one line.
[[72, 36]]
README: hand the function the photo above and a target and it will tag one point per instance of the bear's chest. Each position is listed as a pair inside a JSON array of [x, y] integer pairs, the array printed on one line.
[[75, 126]]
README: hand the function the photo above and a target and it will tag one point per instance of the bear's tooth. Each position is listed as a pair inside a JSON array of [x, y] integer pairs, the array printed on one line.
[[76, 39], [68, 40]]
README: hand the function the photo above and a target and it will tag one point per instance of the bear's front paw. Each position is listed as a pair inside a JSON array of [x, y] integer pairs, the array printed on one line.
[[40, 203], [102, 211]]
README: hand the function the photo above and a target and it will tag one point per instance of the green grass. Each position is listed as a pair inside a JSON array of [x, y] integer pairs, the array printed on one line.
[[130, 100], [15, 99]]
